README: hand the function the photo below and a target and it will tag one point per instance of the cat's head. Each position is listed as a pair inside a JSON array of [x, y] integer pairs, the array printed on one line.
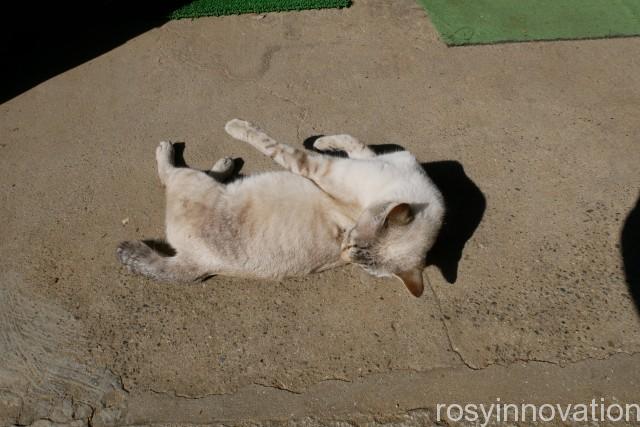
[[391, 239]]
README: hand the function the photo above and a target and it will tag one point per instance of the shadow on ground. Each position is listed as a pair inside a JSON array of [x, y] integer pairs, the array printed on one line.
[[465, 205], [464, 201], [40, 41], [179, 161], [630, 248]]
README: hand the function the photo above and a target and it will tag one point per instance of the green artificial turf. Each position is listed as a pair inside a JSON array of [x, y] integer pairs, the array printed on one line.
[[461, 22], [199, 8]]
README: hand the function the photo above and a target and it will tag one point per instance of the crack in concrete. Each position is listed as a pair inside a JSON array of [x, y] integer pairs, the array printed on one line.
[[469, 365], [177, 395], [282, 388], [561, 364], [302, 116], [446, 329], [174, 394], [278, 387], [280, 97]]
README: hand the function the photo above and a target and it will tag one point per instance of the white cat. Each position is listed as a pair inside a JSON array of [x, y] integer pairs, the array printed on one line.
[[380, 212]]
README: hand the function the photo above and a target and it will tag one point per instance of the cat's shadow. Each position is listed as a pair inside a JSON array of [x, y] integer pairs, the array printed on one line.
[[465, 206]]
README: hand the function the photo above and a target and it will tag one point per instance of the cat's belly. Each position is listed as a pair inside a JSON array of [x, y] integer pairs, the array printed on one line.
[[274, 225]]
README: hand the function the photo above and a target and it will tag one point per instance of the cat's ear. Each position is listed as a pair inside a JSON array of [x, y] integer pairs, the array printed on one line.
[[399, 214], [376, 218], [412, 280]]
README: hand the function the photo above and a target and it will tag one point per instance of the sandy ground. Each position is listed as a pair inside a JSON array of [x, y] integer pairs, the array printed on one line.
[[535, 145]]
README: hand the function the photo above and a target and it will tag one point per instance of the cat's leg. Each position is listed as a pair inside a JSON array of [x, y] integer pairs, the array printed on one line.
[[298, 161], [166, 160], [141, 259], [222, 169], [169, 173], [328, 172], [350, 145]]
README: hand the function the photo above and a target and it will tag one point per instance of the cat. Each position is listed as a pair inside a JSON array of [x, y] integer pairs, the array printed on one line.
[[380, 212]]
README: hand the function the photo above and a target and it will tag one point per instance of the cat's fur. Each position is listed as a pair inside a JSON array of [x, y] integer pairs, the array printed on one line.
[[380, 212]]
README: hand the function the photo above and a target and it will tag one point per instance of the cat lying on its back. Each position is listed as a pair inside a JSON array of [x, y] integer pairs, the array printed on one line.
[[380, 212]]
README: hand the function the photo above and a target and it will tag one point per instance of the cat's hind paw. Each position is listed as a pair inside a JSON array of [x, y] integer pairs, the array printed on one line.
[[134, 255], [223, 165], [223, 169], [164, 152]]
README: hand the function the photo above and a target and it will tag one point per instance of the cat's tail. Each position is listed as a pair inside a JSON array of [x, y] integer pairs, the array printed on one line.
[[141, 259]]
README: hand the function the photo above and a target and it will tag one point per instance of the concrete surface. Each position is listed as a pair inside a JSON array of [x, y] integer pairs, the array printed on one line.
[[540, 309]]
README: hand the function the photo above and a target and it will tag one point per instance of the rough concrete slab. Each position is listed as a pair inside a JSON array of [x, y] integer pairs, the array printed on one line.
[[384, 398], [548, 132]]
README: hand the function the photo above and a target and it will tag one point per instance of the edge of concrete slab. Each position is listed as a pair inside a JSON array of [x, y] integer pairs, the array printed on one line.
[[407, 395]]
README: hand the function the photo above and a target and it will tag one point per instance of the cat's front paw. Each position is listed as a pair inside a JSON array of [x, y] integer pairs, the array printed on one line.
[[224, 165], [223, 169], [338, 143], [239, 129]]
